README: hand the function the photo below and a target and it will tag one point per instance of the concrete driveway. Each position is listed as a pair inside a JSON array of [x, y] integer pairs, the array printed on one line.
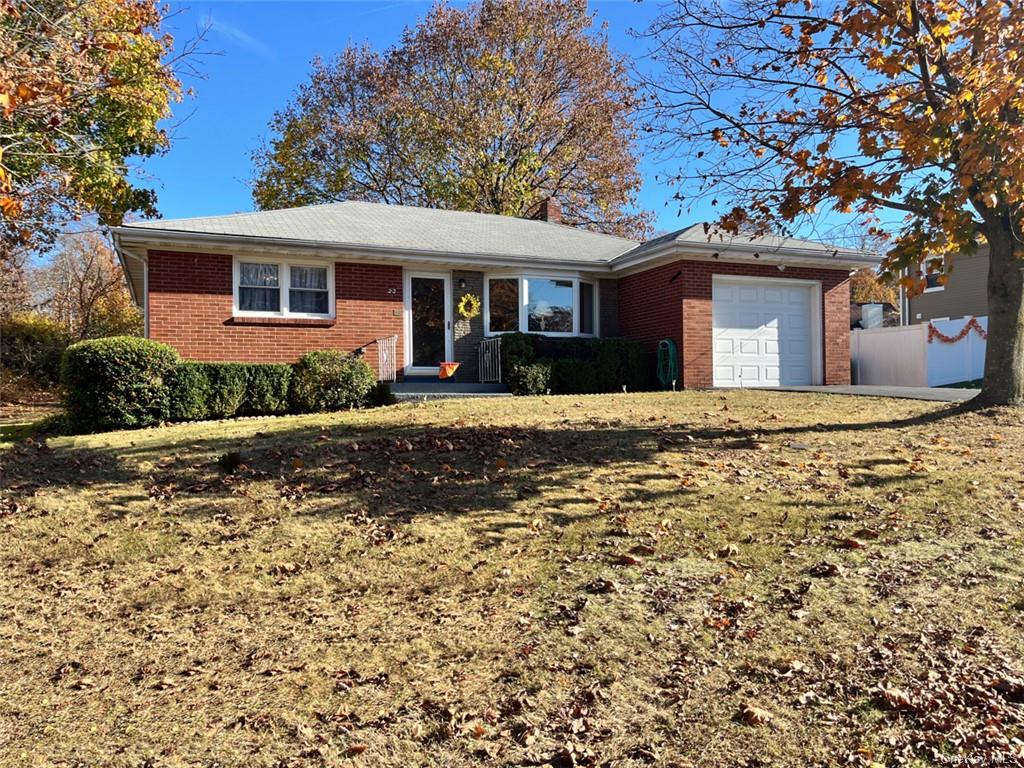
[[941, 394]]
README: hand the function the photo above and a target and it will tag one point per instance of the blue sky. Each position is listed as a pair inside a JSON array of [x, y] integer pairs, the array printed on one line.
[[263, 54]]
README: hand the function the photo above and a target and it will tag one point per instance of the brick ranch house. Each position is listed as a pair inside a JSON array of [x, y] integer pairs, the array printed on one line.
[[271, 285]]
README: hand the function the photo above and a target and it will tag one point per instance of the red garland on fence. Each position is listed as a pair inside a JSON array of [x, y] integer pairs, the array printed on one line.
[[935, 333]]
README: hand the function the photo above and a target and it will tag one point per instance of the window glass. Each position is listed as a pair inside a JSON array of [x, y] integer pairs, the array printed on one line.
[[549, 305], [258, 288], [587, 320], [307, 292], [932, 280], [503, 304]]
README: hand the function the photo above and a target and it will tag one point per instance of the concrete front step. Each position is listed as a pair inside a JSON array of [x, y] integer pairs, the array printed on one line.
[[418, 390]]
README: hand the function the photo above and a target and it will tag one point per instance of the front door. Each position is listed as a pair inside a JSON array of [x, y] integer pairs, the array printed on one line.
[[428, 324]]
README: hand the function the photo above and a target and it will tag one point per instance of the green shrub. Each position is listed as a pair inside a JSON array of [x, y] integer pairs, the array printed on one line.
[[117, 382], [226, 388], [530, 378], [577, 365], [31, 345], [189, 392], [572, 376], [220, 390], [620, 363], [516, 349], [329, 380], [266, 389]]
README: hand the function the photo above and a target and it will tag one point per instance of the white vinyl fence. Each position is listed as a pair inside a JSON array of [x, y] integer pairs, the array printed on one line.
[[905, 357]]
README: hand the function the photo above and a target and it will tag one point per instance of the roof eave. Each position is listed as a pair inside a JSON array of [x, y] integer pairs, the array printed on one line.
[[152, 237], [837, 259]]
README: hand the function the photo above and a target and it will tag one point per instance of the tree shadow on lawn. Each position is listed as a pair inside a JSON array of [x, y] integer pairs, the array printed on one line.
[[402, 471]]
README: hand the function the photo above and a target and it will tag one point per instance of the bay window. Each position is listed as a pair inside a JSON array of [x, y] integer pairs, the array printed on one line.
[[549, 305], [555, 306], [272, 288]]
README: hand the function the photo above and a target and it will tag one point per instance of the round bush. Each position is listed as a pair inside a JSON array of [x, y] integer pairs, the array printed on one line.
[[329, 380], [117, 382], [531, 378]]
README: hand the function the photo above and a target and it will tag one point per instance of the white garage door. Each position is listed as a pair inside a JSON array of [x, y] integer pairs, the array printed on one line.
[[762, 333]]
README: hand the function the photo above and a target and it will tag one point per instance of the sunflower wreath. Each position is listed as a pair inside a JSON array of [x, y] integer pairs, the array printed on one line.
[[470, 306]]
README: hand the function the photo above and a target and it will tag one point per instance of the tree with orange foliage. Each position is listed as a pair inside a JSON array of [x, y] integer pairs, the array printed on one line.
[[867, 288], [908, 116], [84, 85]]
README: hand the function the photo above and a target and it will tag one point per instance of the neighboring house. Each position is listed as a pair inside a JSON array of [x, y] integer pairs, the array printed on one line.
[[271, 285], [964, 294]]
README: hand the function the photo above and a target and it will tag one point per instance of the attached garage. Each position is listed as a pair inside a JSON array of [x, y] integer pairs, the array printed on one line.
[[766, 332]]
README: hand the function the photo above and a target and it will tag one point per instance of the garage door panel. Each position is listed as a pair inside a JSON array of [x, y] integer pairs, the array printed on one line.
[[749, 320], [761, 334], [749, 295]]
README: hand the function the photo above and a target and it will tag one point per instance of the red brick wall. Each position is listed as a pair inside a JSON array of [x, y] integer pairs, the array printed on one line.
[[190, 308], [652, 307]]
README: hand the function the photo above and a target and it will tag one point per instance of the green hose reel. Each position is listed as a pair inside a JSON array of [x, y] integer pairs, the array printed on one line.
[[668, 364]]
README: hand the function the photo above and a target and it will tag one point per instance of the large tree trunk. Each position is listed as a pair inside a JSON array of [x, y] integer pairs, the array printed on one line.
[[1004, 355]]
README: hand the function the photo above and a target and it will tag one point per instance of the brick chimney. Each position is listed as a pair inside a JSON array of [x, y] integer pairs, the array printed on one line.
[[549, 210]]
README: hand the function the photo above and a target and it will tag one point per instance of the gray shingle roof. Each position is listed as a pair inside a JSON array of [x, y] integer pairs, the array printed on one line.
[[355, 223], [722, 241]]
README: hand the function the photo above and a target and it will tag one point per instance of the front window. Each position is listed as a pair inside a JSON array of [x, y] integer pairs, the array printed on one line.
[[560, 306], [503, 304], [259, 287], [280, 288], [548, 305], [932, 282], [308, 290], [588, 320]]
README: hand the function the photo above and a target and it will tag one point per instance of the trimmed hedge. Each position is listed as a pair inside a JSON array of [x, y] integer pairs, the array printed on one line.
[[117, 382], [266, 389], [330, 380], [227, 388], [534, 364], [189, 392], [124, 381], [221, 390], [571, 376]]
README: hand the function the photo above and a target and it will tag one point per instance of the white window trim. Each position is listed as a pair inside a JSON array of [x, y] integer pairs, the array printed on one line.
[[934, 289], [284, 285], [524, 299]]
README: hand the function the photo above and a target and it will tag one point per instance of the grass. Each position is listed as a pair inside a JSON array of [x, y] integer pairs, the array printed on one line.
[[972, 384], [713, 579]]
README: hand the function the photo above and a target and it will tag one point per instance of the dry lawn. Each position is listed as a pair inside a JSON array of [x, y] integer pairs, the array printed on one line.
[[693, 579]]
